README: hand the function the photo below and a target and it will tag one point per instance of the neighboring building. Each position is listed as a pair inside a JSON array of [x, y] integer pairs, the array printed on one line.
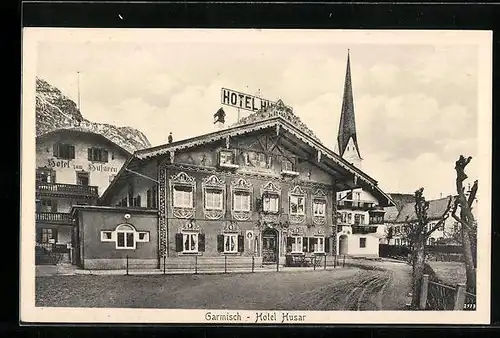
[[360, 218], [264, 187], [72, 167]]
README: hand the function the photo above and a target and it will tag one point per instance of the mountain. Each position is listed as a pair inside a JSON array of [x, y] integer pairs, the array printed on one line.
[[54, 110]]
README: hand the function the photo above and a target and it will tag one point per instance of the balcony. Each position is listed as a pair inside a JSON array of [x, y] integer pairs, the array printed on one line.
[[54, 218], [363, 229], [355, 204], [62, 189]]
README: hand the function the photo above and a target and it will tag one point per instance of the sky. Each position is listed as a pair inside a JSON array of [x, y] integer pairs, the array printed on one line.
[[416, 103]]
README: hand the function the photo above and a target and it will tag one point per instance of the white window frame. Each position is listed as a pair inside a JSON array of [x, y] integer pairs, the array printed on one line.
[[214, 192], [364, 239], [298, 197], [188, 234], [145, 239], [322, 202], [241, 193], [227, 238], [297, 241], [269, 197], [119, 231], [176, 202], [103, 236], [319, 248]]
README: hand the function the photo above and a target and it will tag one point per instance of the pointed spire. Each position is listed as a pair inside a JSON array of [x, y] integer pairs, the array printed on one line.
[[347, 126]]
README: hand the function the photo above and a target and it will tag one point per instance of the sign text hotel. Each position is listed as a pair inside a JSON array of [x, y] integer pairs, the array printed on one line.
[[240, 100]]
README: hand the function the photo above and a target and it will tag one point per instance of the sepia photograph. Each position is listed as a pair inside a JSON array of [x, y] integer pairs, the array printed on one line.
[[256, 176]]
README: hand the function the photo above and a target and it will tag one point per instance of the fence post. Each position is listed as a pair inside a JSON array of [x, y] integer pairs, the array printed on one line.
[[343, 263], [335, 261], [225, 264], [127, 267], [314, 262], [325, 260], [459, 297], [277, 263], [253, 263], [424, 291], [195, 264], [164, 264]]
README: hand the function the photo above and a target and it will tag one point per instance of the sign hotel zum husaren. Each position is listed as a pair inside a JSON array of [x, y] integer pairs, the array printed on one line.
[[240, 100]]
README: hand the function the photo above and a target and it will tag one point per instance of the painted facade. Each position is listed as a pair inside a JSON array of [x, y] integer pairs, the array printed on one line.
[[72, 168]]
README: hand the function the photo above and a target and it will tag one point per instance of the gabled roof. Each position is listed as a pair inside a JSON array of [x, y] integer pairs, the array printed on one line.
[[276, 116], [436, 210], [73, 131], [391, 214]]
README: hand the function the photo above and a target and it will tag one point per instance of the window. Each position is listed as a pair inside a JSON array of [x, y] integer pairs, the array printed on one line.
[[123, 202], [319, 207], [230, 243], [349, 218], [362, 242], [270, 203], [151, 196], [47, 235], [296, 244], [190, 242], [64, 151], [125, 237], [241, 201], [213, 199], [183, 196], [46, 205], [297, 205], [397, 241], [45, 175], [359, 219], [136, 201], [82, 178], [432, 241], [107, 236], [97, 154], [287, 165], [226, 157], [318, 244]]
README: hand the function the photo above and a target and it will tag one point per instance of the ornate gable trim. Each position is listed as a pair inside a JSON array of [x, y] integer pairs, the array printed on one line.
[[230, 227], [190, 226], [241, 184], [319, 193], [297, 190], [271, 187], [214, 181], [182, 178]]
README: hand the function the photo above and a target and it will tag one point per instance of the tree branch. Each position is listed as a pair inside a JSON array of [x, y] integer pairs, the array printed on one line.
[[472, 195]]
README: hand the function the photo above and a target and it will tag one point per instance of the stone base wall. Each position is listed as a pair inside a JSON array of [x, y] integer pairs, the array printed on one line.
[[117, 264]]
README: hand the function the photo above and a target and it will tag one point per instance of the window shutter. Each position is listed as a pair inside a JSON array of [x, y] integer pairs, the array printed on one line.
[[72, 152], [312, 241], [55, 150], [289, 241], [220, 243], [327, 244], [138, 200], [305, 246], [178, 242], [89, 154], [241, 243], [105, 155], [201, 242]]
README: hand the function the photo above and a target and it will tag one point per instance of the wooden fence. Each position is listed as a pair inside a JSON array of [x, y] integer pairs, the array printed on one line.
[[438, 296]]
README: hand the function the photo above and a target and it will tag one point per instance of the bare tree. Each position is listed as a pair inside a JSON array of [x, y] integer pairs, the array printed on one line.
[[468, 225], [416, 232]]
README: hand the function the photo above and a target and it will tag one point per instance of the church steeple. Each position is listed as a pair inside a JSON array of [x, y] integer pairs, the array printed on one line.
[[347, 140]]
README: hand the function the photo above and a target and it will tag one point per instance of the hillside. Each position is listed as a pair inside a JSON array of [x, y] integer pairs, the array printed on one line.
[[54, 110]]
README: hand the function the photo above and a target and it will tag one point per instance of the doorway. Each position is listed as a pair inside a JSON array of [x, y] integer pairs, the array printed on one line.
[[343, 245], [82, 178], [269, 246]]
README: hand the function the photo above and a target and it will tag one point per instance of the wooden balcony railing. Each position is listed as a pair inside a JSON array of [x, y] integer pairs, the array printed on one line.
[[74, 189], [54, 217], [355, 204]]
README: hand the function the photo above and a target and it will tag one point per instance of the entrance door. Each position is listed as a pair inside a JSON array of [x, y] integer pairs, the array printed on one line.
[[269, 246], [343, 245], [82, 178]]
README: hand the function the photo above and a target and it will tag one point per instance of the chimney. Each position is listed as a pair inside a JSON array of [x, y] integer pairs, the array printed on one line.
[[170, 138], [219, 119]]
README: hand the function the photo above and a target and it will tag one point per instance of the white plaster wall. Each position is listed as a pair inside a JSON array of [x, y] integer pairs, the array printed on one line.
[[66, 170]]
